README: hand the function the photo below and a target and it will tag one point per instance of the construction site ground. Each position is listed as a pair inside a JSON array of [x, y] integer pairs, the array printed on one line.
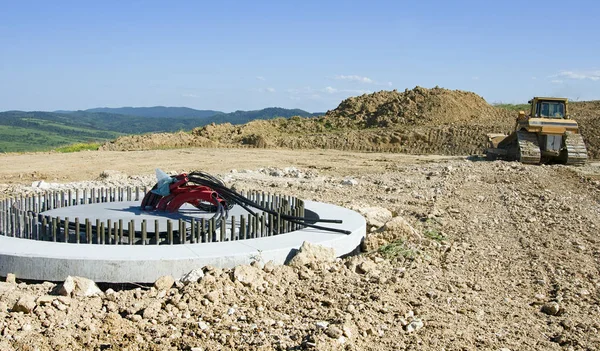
[[478, 256]]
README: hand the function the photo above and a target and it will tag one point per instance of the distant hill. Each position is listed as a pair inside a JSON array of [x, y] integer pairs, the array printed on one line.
[[38, 130], [241, 117], [158, 111]]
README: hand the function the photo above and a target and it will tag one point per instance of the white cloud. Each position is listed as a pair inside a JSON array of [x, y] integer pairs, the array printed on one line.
[[389, 84], [260, 78], [355, 78], [331, 90], [315, 94], [533, 78], [556, 81], [580, 75], [475, 78], [266, 90], [189, 95]]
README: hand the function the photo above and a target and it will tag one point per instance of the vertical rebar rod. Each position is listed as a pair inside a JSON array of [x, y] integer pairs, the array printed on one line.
[[203, 230], [181, 231], [279, 222], [109, 231], [211, 229], [77, 231], [115, 232], [233, 236], [192, 232], [198, 232], [54, 229], [223, 229], [98, 237], [131, 231], [120, 231], [100, 233], [44, 227], [242, 227], [144, 233], [169, 232], [66, 229], [270, 225], [88, 231], [156, 232]]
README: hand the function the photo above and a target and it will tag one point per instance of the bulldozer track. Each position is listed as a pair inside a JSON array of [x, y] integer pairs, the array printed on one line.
[[529, 148], [576, 150]]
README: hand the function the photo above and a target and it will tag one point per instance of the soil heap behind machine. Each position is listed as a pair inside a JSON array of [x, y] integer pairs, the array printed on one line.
[[547, 134]]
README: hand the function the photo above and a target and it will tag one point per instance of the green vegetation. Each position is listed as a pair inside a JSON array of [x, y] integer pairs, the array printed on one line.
[[513, 107], [39, 131], [157, 112], [241, 117], [397, 248], [22, 139], [434, 234], [78, 147], [431, 230]]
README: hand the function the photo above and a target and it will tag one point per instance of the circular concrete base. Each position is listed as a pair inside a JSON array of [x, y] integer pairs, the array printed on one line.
[[130, 210], [41, 260]]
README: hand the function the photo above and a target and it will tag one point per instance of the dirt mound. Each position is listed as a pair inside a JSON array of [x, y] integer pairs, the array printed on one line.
[[418, 107], [417, 121], [156, 141], [587, 114]]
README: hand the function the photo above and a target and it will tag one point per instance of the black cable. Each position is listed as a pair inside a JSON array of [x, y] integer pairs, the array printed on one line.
[[230, 195]]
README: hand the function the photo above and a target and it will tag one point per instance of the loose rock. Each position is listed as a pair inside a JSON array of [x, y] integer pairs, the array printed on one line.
[[193, 276], [25, 304], [551, 308], [79, 286], [312, 253], [164, 283]]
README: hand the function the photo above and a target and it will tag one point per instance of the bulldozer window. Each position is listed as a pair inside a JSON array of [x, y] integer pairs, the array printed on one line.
[[551, 109]]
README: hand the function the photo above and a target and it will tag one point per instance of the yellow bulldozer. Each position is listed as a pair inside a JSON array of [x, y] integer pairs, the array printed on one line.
[[546, 135]]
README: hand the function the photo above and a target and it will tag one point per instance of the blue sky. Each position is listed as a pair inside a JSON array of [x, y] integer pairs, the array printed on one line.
[[232, 55]]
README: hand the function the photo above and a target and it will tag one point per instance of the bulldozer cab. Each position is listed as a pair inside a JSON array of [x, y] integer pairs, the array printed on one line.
[[548, 107]]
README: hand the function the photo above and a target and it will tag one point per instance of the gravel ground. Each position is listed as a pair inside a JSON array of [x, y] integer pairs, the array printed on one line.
[[461, 255]]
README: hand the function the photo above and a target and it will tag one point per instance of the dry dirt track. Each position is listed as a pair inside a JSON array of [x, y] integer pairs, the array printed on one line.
[[19, 168], [497, 242]]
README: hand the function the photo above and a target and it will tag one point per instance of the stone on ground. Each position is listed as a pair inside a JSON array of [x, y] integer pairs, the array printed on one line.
[[164, 283], [79, 286], [193, 276], [312, 253], [249, 276], [25, 304]]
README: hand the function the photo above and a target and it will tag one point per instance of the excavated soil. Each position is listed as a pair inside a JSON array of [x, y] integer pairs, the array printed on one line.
[[476, 256], [417, 121]]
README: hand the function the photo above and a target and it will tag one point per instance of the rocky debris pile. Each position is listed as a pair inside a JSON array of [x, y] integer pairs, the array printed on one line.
[[289, 172], [587, 115], [419, 106]]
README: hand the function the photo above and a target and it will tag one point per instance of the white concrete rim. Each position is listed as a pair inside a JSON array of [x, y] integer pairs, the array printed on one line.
[[42, 260]]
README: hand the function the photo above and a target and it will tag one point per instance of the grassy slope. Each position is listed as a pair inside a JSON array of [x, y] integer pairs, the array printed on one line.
[[38, 131], [20, 139]]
